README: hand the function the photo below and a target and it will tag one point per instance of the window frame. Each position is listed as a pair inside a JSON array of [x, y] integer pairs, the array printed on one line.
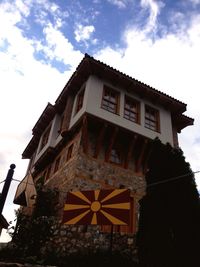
[[69, 152], [152, 121], [61, 124], [107, 103], [80, 100], [48, 173], [116, 157], [45, 137], [57, 164], [131, 111]]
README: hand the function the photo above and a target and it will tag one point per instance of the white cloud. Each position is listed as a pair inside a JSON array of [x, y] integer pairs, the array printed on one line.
[[59, 47], [83, 33], [119, 3], [23, 7], [154, 8], [27, 85], [169, 64], [195, 2]]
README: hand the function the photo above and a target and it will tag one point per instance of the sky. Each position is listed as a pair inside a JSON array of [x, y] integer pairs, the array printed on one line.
[[43, 41]]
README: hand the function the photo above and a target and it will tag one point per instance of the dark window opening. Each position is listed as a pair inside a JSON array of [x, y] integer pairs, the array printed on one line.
[[110, 100], [69, 152], [132, 109], [152, 119], [45, 138], [57, 165], [79, 102]]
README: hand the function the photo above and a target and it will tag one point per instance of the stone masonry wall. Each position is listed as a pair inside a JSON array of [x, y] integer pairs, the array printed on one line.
[[72, 240], [83, 172]]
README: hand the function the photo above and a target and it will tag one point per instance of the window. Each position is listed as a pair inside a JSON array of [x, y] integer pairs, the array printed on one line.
[[110, 100], [79, 101], [69, 152], [152, 119], [57, 163], [132, 109], [45, 138], [61, 123], [48, 172], [116, 155]]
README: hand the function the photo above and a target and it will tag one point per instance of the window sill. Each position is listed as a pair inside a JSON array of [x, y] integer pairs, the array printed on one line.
[[156, 131], [115, 113], [136, 122]]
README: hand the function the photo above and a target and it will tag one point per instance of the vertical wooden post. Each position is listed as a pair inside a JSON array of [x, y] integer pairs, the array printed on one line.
[[6, 187], [112, 141], [85, 135]]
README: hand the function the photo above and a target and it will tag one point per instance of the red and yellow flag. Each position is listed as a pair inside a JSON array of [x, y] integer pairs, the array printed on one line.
[[97, 207]]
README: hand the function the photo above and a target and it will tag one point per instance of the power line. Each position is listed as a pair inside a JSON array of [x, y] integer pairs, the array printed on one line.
[[2, 181], [149, 185], [172, 179]]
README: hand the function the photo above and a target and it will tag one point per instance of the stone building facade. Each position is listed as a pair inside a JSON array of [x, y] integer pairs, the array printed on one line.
[[98, 135]]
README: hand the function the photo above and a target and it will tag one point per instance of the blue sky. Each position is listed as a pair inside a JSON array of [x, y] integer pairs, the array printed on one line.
[[42, 42]]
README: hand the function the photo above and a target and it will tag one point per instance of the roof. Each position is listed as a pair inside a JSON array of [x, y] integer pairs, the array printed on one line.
[[90, 66]]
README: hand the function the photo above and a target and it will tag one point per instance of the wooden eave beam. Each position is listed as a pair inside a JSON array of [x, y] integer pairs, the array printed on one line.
[[148, 154], [141, 156], [130, 87], [100, 140], [130, 150], [85, 135], [112, 141]]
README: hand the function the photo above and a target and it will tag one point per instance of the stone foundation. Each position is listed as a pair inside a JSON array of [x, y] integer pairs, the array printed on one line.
[[82, 240]]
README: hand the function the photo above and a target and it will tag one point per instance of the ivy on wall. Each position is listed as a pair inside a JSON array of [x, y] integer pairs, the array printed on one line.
[[169, 231]]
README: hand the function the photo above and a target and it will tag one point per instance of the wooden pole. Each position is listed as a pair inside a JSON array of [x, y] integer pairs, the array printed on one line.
[[6, 187]]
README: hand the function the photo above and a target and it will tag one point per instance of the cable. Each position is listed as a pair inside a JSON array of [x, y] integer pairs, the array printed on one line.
[[2, 181], [172, 179], [152, 184]]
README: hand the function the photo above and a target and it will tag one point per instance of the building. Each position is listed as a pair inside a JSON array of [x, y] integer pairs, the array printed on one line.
[[97, 136]]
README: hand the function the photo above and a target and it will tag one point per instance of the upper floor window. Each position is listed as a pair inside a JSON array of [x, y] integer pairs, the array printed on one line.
[[79, 101], [69, 152], [57, 164], [132, 109], [45, 137], [110, 100], [47, 174], [61, 123], [152, 120]]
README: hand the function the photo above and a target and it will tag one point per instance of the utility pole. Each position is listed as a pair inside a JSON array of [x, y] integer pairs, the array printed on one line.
[[6, 187]]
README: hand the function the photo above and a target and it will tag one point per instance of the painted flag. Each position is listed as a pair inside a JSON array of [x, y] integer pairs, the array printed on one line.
[[97, 207]]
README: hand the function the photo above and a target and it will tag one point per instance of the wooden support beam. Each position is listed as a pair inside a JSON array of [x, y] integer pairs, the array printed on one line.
[[148, 154], [84, 136], [130, 150], [141, 156], [112, 141], [100, 140]]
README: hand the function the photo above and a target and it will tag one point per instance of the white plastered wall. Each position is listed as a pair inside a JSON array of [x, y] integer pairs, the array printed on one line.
[[92, 105]]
